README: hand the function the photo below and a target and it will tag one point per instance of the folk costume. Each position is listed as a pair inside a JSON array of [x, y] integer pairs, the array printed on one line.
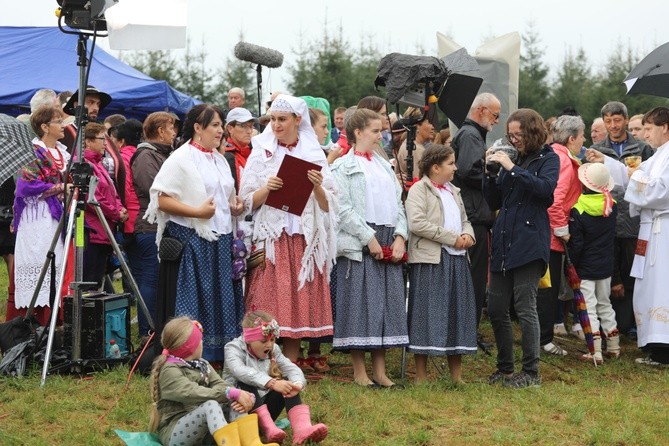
[[370, 294], [202, 277], [38, 208], [299, 251], [442, 305]]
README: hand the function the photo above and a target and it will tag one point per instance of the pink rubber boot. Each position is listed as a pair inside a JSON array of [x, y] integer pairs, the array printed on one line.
[[303, 430], [269, 430]]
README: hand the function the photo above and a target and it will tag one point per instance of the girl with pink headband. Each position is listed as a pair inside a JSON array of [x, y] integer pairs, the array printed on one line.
[[254, 363], [188, 394]]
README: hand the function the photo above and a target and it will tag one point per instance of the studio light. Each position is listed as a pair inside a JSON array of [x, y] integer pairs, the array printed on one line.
[[84, 14]]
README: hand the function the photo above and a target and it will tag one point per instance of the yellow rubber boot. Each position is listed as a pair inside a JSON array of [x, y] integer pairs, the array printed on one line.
[[248, 431], [227, 435]]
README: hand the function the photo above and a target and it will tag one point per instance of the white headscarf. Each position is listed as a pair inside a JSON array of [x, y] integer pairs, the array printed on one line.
[[308, 139]]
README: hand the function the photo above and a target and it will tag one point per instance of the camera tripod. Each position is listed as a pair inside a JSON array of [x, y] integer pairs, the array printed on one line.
[[82, 193]]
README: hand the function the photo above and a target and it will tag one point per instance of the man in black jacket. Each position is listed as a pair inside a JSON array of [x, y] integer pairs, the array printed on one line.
[[469, 144], [620, 144]]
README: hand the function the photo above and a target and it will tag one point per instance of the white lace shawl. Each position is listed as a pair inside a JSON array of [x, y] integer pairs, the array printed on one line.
[[179, 178], [319, 228]]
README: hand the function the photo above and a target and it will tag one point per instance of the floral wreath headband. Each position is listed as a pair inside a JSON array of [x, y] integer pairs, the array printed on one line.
[[262, 331]]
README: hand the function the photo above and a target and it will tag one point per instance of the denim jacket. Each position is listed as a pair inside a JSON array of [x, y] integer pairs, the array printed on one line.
[[354, 233]]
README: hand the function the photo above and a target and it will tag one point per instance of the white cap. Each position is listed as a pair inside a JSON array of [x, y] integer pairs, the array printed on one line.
[[239, 114]]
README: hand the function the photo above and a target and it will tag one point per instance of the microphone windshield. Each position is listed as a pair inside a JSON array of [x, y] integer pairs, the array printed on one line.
[[258, 55]]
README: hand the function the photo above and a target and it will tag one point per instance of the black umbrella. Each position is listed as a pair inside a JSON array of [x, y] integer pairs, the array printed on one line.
[[651, 75], [16, 149]]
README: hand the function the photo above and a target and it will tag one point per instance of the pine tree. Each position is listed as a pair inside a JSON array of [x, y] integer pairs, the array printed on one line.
[[533, 90]]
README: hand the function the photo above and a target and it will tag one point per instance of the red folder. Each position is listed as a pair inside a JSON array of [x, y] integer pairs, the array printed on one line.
[[296, 189]]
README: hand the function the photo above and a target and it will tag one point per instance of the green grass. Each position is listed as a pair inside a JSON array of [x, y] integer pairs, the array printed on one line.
[[618, 403]]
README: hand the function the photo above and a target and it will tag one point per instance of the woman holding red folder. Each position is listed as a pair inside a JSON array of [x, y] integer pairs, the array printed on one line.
[[292, 283]]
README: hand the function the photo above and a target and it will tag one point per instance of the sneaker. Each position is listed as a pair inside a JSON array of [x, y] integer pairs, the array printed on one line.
[[554, 349], [559, 330], [499, 377], [521, 380], [648, 361]]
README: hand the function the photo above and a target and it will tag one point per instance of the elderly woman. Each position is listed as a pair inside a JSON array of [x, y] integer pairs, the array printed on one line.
[[299, 250], [193, 200], [99, 246], [144, 164], [522, 192], [568, 139], [239, 125], [37, 210]]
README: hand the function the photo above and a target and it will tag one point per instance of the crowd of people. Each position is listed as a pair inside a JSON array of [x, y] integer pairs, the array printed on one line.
[[479, 227]]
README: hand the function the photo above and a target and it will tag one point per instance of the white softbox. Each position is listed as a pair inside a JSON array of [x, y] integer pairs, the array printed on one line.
[[147, 24]]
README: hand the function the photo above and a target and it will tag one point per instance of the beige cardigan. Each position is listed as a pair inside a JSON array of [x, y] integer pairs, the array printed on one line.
[[425, 215]]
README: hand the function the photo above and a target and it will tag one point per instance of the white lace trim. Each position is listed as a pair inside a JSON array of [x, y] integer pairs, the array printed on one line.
[[371, 342], [319, 228]]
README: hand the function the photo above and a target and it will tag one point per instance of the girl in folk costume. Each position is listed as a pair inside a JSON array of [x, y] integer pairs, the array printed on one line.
[[442, 306], [370, 305], [299, 250], [193, 199], [648, 195], [188, 394], [253, 362], [37, 209]]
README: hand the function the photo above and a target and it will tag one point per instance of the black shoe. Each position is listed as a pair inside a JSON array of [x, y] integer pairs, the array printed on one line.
[[484, 345]]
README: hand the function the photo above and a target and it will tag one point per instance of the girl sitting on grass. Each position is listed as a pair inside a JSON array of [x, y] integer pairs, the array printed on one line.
[[442, 307], [255, 364], [188, 394]]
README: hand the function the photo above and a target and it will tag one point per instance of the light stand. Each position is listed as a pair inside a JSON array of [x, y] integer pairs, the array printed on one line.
[[84, 184]]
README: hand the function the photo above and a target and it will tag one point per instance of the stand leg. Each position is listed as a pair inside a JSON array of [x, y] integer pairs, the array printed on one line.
[[124, 265]]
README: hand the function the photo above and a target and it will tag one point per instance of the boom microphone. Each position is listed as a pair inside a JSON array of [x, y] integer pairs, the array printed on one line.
[[258, 55]]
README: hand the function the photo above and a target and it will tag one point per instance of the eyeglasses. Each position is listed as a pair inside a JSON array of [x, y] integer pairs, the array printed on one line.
[[515, 136], [245, 125], [101, 138], [58, 121], [495, 115]]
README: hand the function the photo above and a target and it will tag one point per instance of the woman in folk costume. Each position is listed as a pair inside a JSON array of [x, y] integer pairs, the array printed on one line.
[[648, 195], [299, 250], [37, 209], [371, 313], [193, 200]]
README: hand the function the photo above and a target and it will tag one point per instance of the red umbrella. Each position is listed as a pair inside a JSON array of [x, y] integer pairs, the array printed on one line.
[[579, 301]]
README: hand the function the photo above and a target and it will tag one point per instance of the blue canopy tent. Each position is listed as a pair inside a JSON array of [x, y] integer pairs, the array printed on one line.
[[33, 58]]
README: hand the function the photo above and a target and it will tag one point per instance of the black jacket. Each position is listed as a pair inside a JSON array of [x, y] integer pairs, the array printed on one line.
[[591, 243], [522, 232], [469, 145], [626, 226]]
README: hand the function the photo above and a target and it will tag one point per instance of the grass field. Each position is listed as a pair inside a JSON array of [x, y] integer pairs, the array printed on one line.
[[619, 403]]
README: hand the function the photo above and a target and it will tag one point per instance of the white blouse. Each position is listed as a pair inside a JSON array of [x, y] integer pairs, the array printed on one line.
[[381, 202], [452, 221], [218, 182]]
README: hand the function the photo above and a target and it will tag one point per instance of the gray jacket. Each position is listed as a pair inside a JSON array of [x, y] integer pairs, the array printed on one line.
[[626, 226], [241, 366]]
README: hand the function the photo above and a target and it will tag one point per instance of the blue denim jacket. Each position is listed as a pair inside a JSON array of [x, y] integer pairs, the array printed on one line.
[[354, 233]]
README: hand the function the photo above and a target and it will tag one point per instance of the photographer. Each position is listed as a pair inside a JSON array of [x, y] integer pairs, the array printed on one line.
[[522, 192]]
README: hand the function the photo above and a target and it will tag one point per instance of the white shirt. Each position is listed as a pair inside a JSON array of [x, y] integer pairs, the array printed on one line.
[[381, 203], [452, 220]]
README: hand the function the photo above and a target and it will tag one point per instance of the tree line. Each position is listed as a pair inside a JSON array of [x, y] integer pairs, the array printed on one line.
[[331, 67]]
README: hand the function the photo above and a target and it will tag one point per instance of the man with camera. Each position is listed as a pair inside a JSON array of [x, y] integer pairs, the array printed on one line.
[[469, 144]]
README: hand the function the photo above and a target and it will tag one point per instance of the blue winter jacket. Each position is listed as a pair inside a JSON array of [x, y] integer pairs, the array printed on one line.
[[522, 233]]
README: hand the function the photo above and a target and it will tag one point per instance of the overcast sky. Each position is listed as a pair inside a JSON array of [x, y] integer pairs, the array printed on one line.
[[599, 26]]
